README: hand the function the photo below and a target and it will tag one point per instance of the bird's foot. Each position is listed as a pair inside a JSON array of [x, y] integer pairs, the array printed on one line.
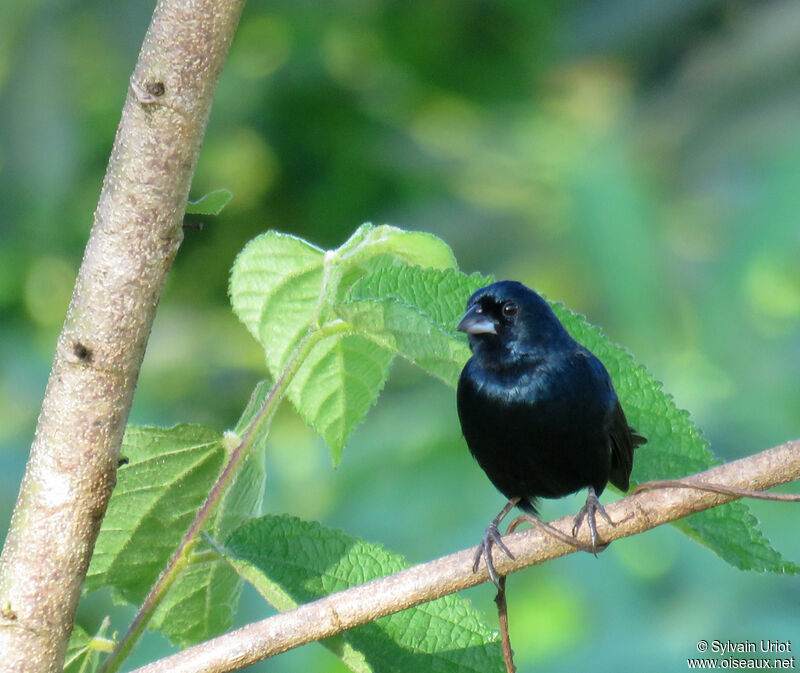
[[589, 512], [491, 537]]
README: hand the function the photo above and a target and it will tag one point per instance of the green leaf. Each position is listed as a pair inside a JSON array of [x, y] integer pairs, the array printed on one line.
[[203, 601], [284, 290], [731, 531], [337, 384], [280, 285], [211, 203], [159, 492], [271, 265], [412, 247], [675, 448], [291, 562], [169, 473], [200, 605], [413, 312]]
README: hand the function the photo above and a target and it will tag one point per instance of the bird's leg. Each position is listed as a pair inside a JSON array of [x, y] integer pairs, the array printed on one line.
[[492, 537], [589, 512]]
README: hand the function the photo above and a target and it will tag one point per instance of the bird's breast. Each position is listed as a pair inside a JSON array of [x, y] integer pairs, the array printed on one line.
[[535, 433]]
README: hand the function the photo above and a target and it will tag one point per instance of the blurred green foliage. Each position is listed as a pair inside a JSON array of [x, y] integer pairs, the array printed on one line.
[[637, 160]]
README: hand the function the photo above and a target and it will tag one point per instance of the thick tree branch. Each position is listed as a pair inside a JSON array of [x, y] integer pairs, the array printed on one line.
[[359, 605], [135, 236]]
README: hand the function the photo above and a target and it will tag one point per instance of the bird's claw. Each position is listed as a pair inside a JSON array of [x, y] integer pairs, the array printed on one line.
[[589, 512], [491, 537]]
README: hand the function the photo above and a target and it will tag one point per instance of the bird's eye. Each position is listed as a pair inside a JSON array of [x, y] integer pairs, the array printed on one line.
[[509, 310]]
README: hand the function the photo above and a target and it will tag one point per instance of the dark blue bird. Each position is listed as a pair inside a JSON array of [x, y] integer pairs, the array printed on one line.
[[538, 410]]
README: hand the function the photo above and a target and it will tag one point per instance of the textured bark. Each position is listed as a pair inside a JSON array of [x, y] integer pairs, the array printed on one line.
[[344, 610], [136, 234]]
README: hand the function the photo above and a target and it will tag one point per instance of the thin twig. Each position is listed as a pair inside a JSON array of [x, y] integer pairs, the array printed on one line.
[[502, 618], [365, 603]]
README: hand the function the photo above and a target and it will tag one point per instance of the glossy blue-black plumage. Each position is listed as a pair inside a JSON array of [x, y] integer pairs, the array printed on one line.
[[537, 409]]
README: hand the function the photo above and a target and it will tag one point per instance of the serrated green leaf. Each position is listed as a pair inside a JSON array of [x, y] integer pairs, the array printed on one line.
[[266, 265], [283, 289], [291, 561], [337, 385], [675, 449], [280, 284], [417, 248], [731, 531], [201, 604], [413, 312], [158, 493], [211, 203], [203, 601], [440, 294]]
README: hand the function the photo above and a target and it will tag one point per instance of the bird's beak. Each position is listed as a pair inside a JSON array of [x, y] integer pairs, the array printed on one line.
[[475, 322]]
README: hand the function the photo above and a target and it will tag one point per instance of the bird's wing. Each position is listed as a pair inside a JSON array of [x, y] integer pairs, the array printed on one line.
[[624, 439]]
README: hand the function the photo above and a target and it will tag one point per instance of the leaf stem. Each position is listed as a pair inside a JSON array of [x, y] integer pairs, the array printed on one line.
[[183, 555]]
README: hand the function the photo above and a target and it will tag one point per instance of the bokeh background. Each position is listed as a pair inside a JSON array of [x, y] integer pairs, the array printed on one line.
[[638, 160]]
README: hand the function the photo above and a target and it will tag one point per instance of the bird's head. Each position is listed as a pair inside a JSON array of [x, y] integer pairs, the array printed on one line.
[[507, 322]]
